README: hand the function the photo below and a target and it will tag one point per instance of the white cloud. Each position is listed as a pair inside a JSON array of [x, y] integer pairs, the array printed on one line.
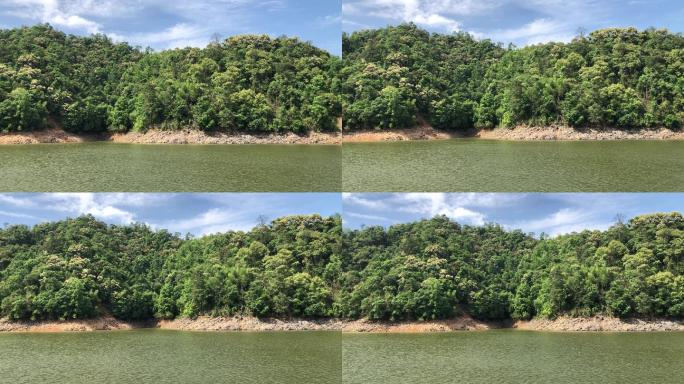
[[59, 13], [194, 21], [88, 204], [550, 20], [199, 214], [21, 215], [537, 31], [214, 220], [103, 206], [462, 207], [565, 220], [428, 13], [16, 201], [358, 199], [178, 36], [366, 217], [433, 204]]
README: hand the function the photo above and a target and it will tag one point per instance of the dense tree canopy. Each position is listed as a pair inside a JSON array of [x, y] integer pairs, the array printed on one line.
[[306, 266], [90, 84], [623, 78], [80, 268], [437, 268]]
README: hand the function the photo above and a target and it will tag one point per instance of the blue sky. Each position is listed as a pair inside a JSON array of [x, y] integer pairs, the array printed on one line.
[[195, 213], [521, 22], [551, 213], [163, 24], [204, 213]]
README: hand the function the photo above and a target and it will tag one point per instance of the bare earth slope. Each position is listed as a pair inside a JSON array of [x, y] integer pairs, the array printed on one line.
[[521, 133], [251, 324], [169, 137]]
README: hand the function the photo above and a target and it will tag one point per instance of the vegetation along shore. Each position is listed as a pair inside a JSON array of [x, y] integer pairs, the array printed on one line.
[[429, 275], [90, 85], [621, 78]]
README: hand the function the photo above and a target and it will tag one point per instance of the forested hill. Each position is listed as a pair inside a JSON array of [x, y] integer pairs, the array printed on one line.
[[81, 268], [622, 78], [438, 269], [306, 266], [90, 84]]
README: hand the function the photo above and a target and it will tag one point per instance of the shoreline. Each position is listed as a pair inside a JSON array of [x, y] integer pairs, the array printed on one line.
[[155, 136], [421, 133], [251, 324], [520, 133]]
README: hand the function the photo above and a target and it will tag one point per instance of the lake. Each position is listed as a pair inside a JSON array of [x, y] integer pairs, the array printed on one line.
[[510, 356], [111, 167], [160, 357], [500, 356], [475, 165]]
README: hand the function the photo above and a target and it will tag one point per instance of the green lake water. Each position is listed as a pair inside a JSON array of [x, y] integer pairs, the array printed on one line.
[[502, 356], [160, 357], [511, 356], [474, 165], [95, 167]]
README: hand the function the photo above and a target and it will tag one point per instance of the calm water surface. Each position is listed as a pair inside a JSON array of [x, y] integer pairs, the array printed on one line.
[[156, 356], [505, 166], [510, 356], [94, 167]]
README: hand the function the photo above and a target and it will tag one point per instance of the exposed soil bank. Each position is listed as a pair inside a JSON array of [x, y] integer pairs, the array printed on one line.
[[418, 133], [561, 324], [200, 137], [251, 324], [569, 133], [460, 324], [521, 133], [600, 323], [46, 136], [100, 324], [169, 137]]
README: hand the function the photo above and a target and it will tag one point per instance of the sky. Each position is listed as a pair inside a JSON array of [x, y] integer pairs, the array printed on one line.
[[163, 24], [205, 213], [194, 213], [522, 22], [549, 213]]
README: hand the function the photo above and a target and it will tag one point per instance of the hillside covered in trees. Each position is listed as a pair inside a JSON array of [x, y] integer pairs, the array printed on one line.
[[307, 267], [618, 78], [81, 268], [436, 268], [90, 84]]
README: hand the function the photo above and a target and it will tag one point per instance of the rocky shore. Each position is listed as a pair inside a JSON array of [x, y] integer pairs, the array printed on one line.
[[418, 133], [573, 134], [200, 137], [599, 324], [203, 323], [99, 324], [521, 133], [47, 136], [459, 324], [155, 136], [252, 324]]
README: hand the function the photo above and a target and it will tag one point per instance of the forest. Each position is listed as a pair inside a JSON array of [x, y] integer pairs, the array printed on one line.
[[247, 83], [402, 76], [309, 267], [82, 268], [434, 269]]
